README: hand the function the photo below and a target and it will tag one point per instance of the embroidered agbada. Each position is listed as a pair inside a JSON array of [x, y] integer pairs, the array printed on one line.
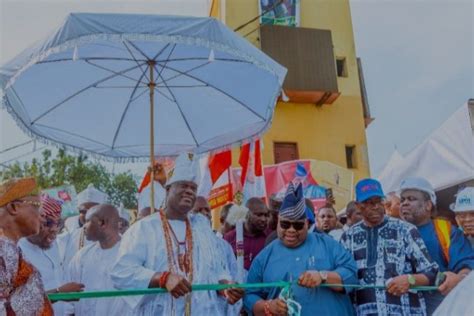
[[143, 252], [91, 267], [21, 289], [387, 250]]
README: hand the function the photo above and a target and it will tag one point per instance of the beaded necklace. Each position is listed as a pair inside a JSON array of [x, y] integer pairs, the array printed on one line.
[[81, 239], [185, 261]]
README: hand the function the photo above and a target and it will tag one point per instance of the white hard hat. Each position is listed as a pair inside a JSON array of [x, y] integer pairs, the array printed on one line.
[[464, 200]]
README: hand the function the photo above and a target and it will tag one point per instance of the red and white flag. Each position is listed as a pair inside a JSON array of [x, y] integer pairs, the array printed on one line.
[[251, 176]]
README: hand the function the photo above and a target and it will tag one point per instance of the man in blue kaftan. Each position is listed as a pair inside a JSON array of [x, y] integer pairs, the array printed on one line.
[[307, 259]]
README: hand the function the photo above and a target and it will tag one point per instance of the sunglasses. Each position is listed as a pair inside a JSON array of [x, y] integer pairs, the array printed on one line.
[[288, 224]]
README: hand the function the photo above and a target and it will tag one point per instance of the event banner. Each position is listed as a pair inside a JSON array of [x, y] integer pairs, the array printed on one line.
[[286, 13], [340, 179], [66, 194], [316, 177]]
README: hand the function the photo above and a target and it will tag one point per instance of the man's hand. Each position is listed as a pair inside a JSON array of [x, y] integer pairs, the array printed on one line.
[[278, 307], [159, 173], [177, 285], [452, 279], [310, 279], [398, 285], [71, 287], [232, 295]]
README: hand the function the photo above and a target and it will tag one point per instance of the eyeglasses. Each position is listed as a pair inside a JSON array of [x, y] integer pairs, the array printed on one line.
[[288, 224], [50, 223], [36, 204]]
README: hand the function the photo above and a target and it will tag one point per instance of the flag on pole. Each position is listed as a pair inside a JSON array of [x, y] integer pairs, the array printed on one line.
[[244, 160], [251, 177], [219, 163]]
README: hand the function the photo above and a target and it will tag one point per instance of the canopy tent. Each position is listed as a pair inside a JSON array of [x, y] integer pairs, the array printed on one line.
[[388, 171], [445, 158]]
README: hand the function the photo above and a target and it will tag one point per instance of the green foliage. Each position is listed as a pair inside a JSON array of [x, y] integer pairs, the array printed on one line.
[[79, 171]]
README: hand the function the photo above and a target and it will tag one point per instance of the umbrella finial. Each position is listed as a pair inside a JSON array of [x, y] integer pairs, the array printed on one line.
[[75, 54], [211, 55]]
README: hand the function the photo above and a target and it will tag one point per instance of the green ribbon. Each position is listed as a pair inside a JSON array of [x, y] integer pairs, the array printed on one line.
[[208, 287], [196, 287]]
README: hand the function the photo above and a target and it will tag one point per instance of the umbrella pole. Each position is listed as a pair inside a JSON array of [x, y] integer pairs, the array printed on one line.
[[151, 86]]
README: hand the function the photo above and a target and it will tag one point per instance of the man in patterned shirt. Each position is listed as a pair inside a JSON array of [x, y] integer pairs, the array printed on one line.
[[389, 253], [21, 287]]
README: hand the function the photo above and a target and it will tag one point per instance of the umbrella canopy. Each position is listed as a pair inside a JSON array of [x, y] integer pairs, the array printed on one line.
[[90, 84]]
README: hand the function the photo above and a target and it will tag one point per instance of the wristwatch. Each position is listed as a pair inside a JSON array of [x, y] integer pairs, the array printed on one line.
[[324, 276], [411, 280]]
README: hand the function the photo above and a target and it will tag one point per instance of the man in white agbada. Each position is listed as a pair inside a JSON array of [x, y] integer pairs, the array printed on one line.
[[174, 249], [91, 265], [43, 252], [74, 240]]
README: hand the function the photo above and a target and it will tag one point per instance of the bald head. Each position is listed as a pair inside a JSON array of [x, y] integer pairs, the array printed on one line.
[[102, 222], [103, 212]]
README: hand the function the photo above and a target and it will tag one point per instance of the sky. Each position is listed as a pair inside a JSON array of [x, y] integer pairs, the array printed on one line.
[[418, 59]]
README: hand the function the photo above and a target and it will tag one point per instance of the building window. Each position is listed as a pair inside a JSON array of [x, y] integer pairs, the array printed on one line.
[[285, 151], [341, 66], [351, 157]]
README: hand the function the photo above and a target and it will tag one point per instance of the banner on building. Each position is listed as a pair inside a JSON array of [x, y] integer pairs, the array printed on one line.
[[316, 176], [277, 12]]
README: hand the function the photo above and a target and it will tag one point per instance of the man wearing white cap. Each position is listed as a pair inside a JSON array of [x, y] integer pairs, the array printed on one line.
[[85, 200], [173, 249], [75, 239], [445, 243], [464, 210]]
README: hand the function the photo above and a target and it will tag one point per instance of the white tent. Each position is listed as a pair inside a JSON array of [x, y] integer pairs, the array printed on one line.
[[388, 171], [445, 158]]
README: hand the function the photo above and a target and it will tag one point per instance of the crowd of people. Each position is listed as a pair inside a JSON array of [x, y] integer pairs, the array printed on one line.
[[368, 262]]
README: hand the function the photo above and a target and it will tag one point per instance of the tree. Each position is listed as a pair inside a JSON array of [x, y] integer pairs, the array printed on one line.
[[79, 171]]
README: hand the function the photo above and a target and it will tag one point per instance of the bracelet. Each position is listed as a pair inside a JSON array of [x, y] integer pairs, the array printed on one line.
[[266, 308], [163, 279]]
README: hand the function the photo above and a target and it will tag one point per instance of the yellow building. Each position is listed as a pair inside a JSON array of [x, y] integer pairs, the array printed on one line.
[[327, 114]]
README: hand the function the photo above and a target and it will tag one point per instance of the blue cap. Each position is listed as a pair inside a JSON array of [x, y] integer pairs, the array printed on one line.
[[367, 188], [293, 206]]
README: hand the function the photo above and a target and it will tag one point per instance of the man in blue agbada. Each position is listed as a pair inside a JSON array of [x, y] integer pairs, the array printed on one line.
[[308, 259]]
